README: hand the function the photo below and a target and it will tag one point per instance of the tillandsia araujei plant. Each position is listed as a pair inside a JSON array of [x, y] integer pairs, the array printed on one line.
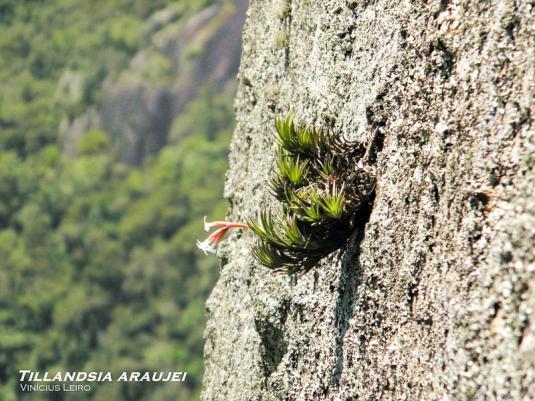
[[322, 184]]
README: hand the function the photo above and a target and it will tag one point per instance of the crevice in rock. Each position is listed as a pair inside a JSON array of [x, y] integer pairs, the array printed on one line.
[[273, 340], [350, 277]]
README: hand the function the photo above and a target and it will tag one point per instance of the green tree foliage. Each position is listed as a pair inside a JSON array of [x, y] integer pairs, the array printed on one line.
[[98, 269], [40, 40]]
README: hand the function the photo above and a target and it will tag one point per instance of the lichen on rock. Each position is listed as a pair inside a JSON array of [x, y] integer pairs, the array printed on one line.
[[435, 299]]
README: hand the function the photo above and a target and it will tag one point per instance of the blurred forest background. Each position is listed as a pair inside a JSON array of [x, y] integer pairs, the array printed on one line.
[[115, 118]]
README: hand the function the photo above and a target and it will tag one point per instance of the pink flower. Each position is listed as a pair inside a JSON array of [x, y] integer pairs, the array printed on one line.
[[221, 223], [208, 245]]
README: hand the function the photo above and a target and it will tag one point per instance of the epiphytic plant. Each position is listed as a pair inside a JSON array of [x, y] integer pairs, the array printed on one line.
[[322, 185]]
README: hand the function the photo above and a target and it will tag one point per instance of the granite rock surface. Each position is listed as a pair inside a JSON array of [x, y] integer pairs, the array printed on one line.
[[434, 299]]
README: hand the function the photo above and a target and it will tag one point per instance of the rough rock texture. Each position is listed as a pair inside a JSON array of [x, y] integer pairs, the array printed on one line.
[[435, 300], [138, 115]]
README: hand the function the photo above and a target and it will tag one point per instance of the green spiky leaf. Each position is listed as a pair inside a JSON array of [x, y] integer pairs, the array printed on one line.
[[312, 171], [293, 235], [333, 203], [264, 227], [293, 169]]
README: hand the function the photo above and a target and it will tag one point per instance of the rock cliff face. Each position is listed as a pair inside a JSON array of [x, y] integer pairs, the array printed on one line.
[[435, 299], [180, 54]]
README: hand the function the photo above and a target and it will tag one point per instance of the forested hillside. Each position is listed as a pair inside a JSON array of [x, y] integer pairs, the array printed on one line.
[[97, 264]]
